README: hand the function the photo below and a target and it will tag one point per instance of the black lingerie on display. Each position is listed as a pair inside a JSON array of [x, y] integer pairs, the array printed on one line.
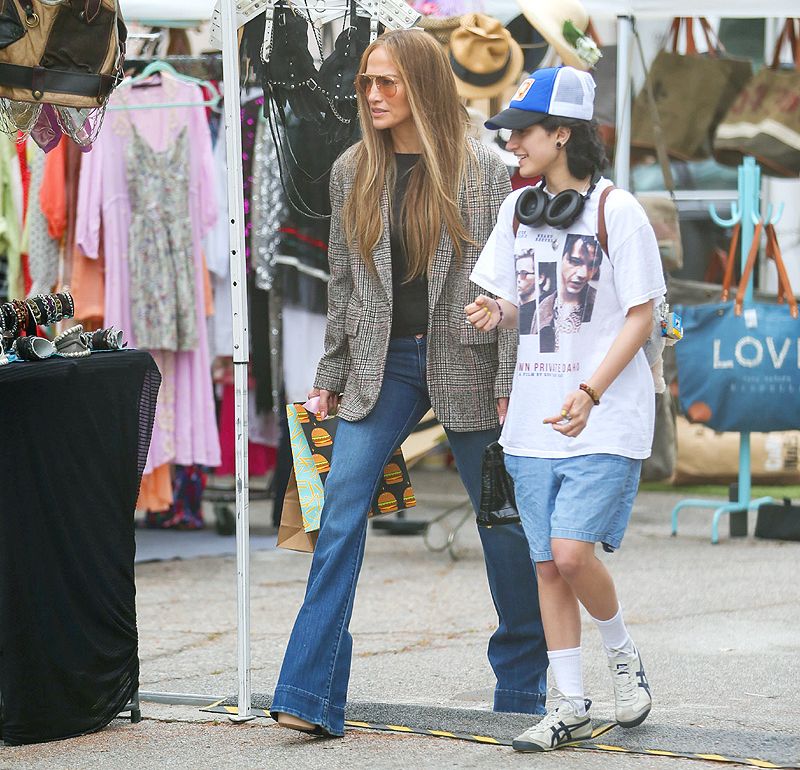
[[75, 436]]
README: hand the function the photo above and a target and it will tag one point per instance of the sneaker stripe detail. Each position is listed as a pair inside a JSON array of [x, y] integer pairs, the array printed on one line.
[[562, 733]]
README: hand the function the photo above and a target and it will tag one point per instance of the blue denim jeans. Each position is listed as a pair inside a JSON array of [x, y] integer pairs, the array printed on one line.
[[316, 667]]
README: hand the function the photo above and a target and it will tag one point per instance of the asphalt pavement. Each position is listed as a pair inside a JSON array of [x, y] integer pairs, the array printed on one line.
[[718, 627]]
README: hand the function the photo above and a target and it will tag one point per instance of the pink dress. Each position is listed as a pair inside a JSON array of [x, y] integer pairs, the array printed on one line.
[[185, 430]]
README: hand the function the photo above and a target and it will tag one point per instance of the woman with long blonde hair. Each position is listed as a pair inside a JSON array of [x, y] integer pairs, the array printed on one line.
[[413, 204]]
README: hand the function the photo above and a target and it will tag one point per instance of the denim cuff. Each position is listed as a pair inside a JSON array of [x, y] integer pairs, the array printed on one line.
[[306, 705], [519, 702]]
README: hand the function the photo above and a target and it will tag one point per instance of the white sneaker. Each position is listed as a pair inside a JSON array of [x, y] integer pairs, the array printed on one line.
[[559, 726], [631, 689]]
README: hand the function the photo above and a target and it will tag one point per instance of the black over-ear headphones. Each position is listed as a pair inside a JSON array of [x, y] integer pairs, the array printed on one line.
[[535, 208]]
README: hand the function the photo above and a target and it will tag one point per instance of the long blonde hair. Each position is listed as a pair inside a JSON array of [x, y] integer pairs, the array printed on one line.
[[431, 198]]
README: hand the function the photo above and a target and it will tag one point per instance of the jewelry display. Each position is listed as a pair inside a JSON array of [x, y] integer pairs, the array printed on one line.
[[71, 343], [34, 348], [105, 339], [19, 320], [23, 316]]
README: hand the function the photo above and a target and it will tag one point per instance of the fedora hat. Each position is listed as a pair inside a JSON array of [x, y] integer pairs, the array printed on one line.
[[485, 59], [549, 16]]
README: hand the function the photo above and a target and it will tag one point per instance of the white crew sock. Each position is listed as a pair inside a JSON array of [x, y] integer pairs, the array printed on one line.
[[568, 675], [615, 635]]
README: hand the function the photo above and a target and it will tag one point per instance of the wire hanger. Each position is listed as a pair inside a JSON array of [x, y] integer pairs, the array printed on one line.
[[158, 66]]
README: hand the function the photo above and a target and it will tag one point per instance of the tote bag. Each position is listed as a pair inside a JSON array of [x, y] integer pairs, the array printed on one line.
[[764, 121], [693, 92], [738, 367]]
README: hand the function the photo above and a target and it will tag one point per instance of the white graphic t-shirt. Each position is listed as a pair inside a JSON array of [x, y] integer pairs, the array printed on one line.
[[572, 301]]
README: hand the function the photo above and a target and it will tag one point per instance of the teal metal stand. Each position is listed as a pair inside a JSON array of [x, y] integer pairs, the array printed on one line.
[[747, 211]]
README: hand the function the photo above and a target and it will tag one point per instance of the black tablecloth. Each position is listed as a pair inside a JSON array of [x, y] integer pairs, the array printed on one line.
[[75, 435]]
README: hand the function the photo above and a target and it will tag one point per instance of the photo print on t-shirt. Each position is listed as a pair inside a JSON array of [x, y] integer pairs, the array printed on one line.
[[532, 286], [567, 309]]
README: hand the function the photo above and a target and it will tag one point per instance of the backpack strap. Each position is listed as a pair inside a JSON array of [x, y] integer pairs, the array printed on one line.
[[516, 225], [602, 230]]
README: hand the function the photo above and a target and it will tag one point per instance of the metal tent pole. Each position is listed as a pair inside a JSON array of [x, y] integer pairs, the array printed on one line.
[[622, 155], [241, 346]]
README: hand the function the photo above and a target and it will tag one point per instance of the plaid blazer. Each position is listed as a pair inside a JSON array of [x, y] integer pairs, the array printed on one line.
[[467, 369]]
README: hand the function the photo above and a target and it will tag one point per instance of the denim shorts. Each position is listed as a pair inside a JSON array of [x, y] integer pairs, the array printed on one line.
[[586, 498]]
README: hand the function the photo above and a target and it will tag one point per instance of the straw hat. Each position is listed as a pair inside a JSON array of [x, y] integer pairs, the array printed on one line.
[[548, 17], [485, 59]]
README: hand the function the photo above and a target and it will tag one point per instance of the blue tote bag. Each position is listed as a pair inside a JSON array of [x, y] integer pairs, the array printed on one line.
[[739, 367]]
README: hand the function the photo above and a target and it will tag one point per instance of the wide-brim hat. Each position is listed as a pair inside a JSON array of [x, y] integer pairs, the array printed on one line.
[[485, 58], [548, 17]]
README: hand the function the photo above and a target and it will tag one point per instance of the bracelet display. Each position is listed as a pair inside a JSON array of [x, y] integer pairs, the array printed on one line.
[[23, 316]]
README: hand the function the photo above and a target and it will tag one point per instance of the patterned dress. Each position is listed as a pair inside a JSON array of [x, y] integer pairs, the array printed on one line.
[[160, 257]]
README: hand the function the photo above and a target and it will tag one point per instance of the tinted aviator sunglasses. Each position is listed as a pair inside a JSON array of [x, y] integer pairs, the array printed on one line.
[[387, 84]]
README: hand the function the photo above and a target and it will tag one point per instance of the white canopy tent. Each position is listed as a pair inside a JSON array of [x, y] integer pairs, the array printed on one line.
[[160, 13], [188, 12]]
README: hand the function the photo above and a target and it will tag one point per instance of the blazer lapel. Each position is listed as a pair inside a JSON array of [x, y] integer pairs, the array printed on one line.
[[443, 257], [382, 256]]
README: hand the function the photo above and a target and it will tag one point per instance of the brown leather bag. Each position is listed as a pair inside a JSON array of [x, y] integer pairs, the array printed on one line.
[[69, 54]]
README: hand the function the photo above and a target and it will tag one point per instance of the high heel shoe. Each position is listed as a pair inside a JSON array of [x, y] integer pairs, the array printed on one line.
[[292, 722]]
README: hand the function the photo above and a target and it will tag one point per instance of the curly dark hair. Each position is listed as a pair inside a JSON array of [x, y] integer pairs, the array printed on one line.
[[586, 153]]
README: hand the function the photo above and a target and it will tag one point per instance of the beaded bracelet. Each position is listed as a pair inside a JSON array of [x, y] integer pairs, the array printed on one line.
[[70, 303], [10, 320], [35, 310], [50, 305], [38, 300], [59, 308], [22, 314], [591, 392], [500, 311]]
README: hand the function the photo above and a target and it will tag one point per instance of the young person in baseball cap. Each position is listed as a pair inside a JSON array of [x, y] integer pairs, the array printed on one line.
[[581, 414]]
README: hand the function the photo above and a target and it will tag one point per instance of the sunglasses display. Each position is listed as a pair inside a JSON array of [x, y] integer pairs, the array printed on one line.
[[387, 84]]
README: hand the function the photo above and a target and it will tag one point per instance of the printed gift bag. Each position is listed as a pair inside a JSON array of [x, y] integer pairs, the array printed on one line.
[[312, 448]]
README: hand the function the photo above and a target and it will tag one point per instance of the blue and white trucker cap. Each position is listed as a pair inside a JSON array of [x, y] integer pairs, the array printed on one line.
[[563, 92]]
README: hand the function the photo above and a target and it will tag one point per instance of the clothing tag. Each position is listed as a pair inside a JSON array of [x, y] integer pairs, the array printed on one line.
[[751, 318]]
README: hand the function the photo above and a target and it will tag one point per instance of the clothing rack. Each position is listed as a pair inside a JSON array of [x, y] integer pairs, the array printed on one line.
[[393, 14], [746, 211]]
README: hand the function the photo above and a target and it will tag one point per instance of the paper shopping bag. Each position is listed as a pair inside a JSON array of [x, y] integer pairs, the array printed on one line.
[[312, 450], [291, 532]]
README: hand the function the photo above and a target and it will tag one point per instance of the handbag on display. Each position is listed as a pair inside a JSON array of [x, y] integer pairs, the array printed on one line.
[[738, 366], [764, 121], [498, 504], [693, 92], [66, 53], [661, 212], [59, 62], [312, 443]]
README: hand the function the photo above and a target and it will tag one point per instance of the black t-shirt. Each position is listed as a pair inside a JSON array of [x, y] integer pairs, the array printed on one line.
[[410, 298]]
